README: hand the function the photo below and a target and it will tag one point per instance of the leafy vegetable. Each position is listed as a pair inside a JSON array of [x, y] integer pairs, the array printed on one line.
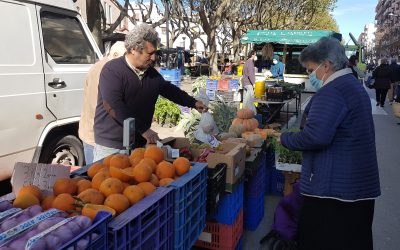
[[199, 83], [223, 113], [167, 112], [286, 155]]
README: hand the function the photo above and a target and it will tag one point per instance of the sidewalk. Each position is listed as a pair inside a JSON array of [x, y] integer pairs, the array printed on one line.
[[386, 227]]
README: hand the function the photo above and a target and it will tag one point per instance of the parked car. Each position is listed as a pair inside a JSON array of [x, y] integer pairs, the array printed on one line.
[[46, 50]]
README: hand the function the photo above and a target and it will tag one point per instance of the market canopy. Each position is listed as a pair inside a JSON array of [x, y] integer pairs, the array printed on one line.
[[293, 37]]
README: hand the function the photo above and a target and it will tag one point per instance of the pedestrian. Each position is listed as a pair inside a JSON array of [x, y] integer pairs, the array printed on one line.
[[248, 80], [382, 76], [395, 76], [129, 88], [340, 179], [353, 62], [86, 122], [278, 68]]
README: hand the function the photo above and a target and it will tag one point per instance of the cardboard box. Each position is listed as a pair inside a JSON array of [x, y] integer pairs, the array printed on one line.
[[40, 175], [171, 146], [290, 179], [234, 156]]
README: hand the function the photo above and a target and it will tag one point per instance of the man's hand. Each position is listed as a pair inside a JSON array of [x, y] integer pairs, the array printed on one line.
[[201, 107], [150, 136]]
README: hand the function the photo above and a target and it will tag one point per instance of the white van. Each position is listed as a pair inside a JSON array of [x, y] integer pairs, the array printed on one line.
[[46, 50]]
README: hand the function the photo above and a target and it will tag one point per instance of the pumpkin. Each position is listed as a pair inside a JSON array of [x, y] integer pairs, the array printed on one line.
[[245, 113], [237, 129], [250, 124], [237, 121]]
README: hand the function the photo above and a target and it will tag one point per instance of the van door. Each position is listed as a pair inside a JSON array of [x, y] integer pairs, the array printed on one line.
[[68, 54], [23, 112]]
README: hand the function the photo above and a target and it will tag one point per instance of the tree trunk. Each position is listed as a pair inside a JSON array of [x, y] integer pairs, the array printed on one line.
[[213, 52], [93, 14]]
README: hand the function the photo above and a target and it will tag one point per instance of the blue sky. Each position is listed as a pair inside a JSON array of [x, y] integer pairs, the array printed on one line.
[[352, 15]]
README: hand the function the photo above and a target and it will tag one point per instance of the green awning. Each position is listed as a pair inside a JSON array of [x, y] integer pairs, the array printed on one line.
[[292, 37]]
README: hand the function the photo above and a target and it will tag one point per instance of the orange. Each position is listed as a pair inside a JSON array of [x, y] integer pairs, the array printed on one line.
[[142, 172], [135, 161], [147, 187], [118, 202], [83, 185], [94, 169], [150, 162], [181, 165], [111, 186], [64, 202], [137, 152], [165, 170], [32, 189], [166, 181], [76, 179], [125, 185], [91, 210], [134, 194], [121, 174], [25, 200], [154, 180], [154, 153], [98, 179], [106, 161], [120, 161], [64, 185], [47, 201], [92, 196]]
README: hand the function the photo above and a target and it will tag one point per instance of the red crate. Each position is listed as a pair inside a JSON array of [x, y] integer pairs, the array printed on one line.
[[221, 236], [223, 84]]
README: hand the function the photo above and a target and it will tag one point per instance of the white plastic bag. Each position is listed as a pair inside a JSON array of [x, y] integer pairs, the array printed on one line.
[[207, 129], [248, 98], [202, 96]]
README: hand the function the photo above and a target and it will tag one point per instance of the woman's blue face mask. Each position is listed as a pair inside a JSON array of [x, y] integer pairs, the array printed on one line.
[[315, 82]]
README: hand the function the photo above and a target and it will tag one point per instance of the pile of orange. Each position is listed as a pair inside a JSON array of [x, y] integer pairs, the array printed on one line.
[[117, 183]]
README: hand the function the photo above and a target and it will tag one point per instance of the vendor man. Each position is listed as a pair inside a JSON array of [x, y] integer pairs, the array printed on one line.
[[129, 87], [278, 68]]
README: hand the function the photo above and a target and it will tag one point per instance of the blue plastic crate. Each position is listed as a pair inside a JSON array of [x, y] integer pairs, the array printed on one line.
[[95, 236], [146, 225], [233, 84], [255, 185], [253, 212], [277, 182], [176, 83], [211, 94], [172, 75], [229, 207], [270, 160], [190, 192], [212, 85], [239, 245]]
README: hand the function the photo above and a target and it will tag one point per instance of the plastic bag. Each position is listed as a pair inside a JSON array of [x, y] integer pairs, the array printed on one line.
[[202, 96], [207, 124], [248, 98], [206, 130]]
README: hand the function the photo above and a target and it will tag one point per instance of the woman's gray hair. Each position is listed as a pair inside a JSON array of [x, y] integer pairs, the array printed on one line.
[[139, 35], [326, 49]]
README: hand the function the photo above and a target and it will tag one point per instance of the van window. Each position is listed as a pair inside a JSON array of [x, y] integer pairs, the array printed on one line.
[[65, 41]]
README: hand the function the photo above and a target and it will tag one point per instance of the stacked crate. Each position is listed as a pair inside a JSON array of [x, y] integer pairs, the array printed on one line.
[[275, 179], [254, 196], [224, 228]]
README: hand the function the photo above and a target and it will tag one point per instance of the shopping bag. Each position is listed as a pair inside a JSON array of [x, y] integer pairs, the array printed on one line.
[[248, 98]]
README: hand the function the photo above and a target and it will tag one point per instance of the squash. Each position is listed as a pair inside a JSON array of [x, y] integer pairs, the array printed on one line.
[[237, 121], [237, 129], [224, 136], [245, 113], [250, 124]]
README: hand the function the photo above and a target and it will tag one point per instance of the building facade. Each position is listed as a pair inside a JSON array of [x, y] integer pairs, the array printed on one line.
[[387, 35]]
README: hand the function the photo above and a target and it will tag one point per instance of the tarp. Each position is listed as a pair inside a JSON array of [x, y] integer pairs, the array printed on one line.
[[292, 37]]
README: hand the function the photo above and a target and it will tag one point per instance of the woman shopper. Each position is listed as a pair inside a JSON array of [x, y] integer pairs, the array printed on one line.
[[383, 78], [340, 179]]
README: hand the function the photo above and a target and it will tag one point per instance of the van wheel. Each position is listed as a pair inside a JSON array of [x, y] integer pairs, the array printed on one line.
[[66, 150]]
